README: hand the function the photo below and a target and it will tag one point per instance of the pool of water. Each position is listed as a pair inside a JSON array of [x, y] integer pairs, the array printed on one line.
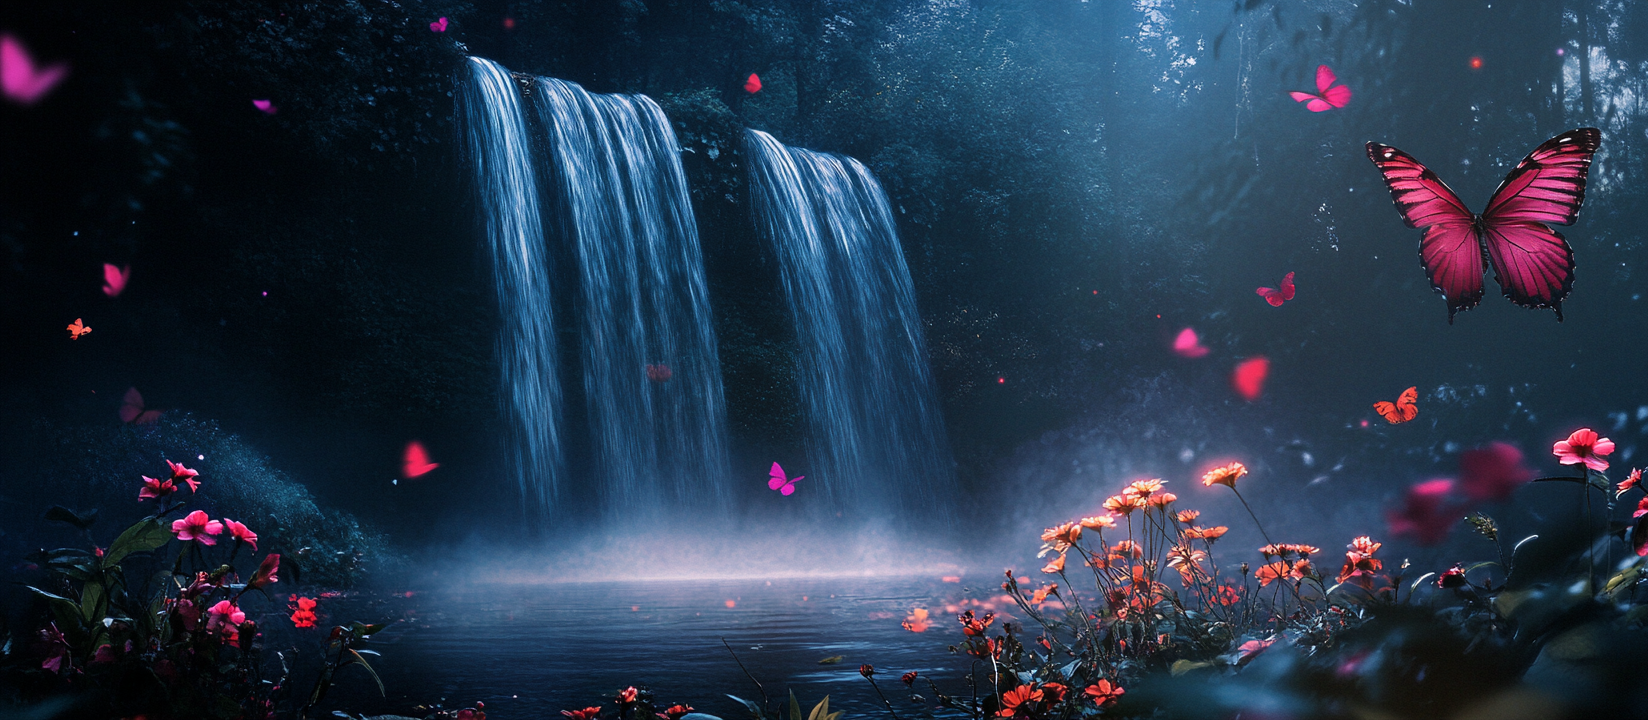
[[529, 651]]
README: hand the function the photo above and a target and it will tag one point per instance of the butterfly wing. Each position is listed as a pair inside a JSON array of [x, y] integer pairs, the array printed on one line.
[[778, 479], [1287, 286], [1407, 404], [1450, 250], [19, 78], [415, 460], [1324, 79], [1271, 295], [148, 417], [1534, 264], [789, 487], [1387, 411]]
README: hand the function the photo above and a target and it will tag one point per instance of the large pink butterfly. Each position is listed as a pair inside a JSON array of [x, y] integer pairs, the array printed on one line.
[[1283, 291], [783, 484], [114, 279], [1533, 264], [132, 410], [22, 82], [1327, 96], [415, 460]]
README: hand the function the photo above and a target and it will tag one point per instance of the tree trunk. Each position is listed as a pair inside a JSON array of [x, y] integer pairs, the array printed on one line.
[[1587, 100]]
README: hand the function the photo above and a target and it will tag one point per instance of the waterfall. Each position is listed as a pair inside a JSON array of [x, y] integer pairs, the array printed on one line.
[[507, 192], [659, 444], [876, 439]]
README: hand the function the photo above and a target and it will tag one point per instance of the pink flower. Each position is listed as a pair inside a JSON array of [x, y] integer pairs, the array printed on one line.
[[1583, 447], [1492, 472], [57, 649], [240, 532], [196, 526], [155, 489], [189, 612], [185, 474], [225, 618], [1630, 481], [1642, 507], [1423, 513], [265, 574]]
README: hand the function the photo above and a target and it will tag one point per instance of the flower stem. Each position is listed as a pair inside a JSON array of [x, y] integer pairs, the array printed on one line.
[[1250, 514]]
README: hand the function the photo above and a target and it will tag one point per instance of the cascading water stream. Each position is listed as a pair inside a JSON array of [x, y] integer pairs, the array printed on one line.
[[660, 444], [875, 435], [507, 191]]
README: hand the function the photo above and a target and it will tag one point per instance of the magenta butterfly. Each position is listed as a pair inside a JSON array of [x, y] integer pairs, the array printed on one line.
[[1327, 96], [783, 484], [23, 82], [1283, 291], [1532, 263]]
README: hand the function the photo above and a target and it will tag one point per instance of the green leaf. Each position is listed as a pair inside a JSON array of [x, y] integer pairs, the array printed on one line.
[[821, 711], [795, 707], [357, 658], [61, 514], [756, 709], [94, 601], [362, 630], [1181, 667], [833, 659], [146, 535]]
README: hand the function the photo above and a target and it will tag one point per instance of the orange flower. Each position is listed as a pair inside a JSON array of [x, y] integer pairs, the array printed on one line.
[[1143, 488], [971, 625], [1302, 550], [1271, 550], [1225, 475], [1189, 516], [1227, 595], [1125, 548], [1208, 534], [1040, 596], [1056, 566], [917, 621], [1063, 536], [1187, 562], [1365, 544], [1162, 500], [1104, 692], [1277, 570], [1013, 699], [1098, 522], [1121, 505]]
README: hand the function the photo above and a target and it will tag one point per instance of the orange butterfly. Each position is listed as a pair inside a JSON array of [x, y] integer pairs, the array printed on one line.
[[76, 329], [1404, 409]]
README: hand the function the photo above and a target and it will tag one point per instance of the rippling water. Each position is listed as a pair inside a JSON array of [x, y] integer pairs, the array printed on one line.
[[529, 651]]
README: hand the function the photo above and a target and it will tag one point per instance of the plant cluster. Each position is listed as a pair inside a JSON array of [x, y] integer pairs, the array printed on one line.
[[154, 624]]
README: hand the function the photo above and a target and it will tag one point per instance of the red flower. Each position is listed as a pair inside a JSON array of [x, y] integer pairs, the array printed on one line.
[[1013, 699], [265, 574], [196, 526], [240, 532], [1642, 507], [1492, 472], [1454, 577], [1104, 692], [1423, 513], [866, 670], [1583, 446], [1630, 481], [1227, 595], [304, 616], [1252, 648], [1272, 572], [1056, 566], [627, 695], [1053, 693], [185, 474], [975, 626], [909, 678], [1205, 533], [57, 649], [155, 489], [589, 713], [675, 712]]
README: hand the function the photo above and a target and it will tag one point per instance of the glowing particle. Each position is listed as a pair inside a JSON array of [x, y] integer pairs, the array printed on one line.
[[635, 608], [951, 578], [1560, 52], [1095, 292], [266, 293], [1476, 63], [509, 23], [1364, 423], [732, 603], [1001, 381]]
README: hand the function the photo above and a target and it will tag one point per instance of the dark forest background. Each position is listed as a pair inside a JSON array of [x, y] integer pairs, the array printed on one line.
[[1074, 182]]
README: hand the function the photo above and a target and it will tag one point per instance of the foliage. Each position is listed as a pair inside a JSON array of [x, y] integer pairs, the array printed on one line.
[[154, 624], [92, 464]]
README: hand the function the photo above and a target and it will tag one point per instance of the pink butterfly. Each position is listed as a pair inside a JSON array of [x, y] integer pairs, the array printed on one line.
[[1327, 96], [1277, 296], [131, 409], [1188, 345], [784, 485], [267, 106], [23, 83], [1533, 264], [438, 25], [114, 279], [1248, 378], [415, 461], [752, 85]]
